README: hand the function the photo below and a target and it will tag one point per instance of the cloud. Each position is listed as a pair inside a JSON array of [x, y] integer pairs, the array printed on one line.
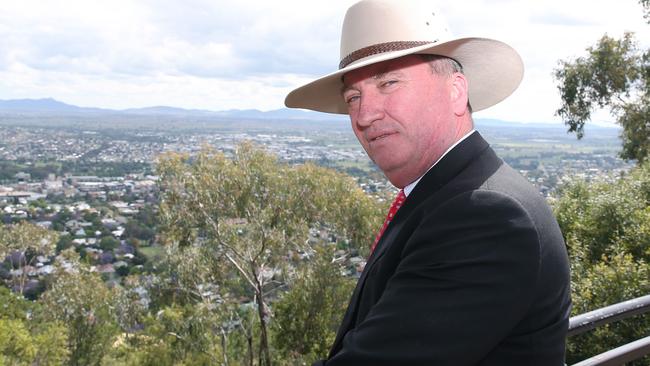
[[267, 37], [219, 54], [197, 37]]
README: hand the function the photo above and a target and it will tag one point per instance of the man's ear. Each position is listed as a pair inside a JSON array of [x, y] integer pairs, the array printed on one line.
[[459, 93]]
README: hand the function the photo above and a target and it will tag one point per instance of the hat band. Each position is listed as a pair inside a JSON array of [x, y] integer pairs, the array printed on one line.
[[380, 48]]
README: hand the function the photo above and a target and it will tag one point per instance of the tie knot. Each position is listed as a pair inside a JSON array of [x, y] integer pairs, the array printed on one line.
[[397, 203], [400, 198]]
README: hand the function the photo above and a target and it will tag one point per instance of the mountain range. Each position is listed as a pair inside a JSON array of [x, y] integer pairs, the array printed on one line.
[[49, 106]]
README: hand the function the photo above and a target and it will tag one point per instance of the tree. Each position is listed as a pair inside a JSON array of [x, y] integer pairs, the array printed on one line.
[[80, 299], [609, 281], [607, 229], [16, 347], [615, 75], [308, 315], [247, 213], [26, 342], [28, 241], [135, 229], [175, 335], [108, 243], [65, 242], [605, 219]]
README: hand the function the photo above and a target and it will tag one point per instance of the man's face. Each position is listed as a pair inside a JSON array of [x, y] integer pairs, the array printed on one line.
[[403, 115]]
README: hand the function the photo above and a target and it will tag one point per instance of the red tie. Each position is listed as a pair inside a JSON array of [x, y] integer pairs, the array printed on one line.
[[397, 203]]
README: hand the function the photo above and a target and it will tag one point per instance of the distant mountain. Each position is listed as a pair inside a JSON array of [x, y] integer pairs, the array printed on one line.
[[37, 105], [49, 105], [284, 114], [52, 106]]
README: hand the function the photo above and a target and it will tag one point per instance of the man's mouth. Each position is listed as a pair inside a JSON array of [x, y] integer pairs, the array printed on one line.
[[380, 137]]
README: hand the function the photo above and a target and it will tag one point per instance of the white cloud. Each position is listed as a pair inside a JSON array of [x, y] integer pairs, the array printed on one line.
[[249, 54]]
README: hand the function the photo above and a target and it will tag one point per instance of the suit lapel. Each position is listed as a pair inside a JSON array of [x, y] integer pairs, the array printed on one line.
[[437, 177]]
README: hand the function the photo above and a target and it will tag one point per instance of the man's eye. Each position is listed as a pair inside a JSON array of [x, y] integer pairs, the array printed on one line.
[[352, 99], [388, 83]]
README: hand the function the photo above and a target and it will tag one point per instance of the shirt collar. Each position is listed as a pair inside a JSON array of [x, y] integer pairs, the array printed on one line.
[[409, 188]]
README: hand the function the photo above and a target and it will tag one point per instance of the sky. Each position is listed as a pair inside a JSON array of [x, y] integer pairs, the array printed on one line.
[[248, 54]]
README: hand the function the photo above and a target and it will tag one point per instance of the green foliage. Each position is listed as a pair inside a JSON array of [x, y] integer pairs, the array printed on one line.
[[58, 223], [65, 242], [308, 315], [615, 75], [137, 230], [30, 240], [607, 230], [13, 306], [646, 9], [130, 303], [25, 236], [25, 342], [176, 335], [40, 170], [81, 300], [609, 281], [606, 219], [108, 243], [50, 340], [234, 222], [46, 345], [255, 196], [16, 347]]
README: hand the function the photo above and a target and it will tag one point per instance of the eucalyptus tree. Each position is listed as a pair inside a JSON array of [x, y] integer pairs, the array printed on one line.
[[607, 230], [308, 315], [247, 214], [614, 75], [23, 242], [79, 298]]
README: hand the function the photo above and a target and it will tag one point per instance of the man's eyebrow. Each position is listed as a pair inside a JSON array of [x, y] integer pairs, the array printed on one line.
[[345, 88], [389, 73], [378, 76]]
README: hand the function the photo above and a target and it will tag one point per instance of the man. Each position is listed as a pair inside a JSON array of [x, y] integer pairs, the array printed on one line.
[[472, 268]]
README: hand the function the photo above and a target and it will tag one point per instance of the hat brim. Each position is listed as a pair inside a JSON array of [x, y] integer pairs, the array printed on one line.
[[493, 70]]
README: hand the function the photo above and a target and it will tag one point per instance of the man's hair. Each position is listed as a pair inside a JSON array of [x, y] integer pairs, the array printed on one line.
[[442, 65]]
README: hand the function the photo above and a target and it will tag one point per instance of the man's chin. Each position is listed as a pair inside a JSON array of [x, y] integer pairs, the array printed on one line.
[[394, 173]]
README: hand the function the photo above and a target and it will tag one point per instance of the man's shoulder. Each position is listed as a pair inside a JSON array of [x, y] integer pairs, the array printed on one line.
[[488, 180], [508, 181]]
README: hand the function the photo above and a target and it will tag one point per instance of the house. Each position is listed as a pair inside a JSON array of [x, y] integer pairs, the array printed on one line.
[[79, 241], [45, 224], [118, 232], [105, 268], [46, 270], [110, 224]]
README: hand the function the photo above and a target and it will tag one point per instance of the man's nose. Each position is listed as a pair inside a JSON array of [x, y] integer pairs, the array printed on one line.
[[370, 110]]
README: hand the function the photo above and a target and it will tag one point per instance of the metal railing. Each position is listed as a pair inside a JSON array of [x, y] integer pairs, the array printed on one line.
[[617, 356]]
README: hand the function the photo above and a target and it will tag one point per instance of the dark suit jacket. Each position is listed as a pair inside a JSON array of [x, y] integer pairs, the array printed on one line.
[[472, 270]]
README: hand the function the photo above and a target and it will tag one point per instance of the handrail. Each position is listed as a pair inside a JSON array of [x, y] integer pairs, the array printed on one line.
[[619, 356], [587, 321], [609, 314]]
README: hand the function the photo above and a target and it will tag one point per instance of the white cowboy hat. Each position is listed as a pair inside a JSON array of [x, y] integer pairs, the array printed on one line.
[[380, 30]]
